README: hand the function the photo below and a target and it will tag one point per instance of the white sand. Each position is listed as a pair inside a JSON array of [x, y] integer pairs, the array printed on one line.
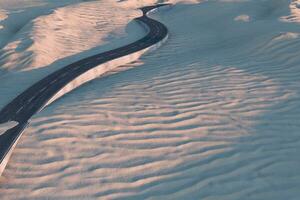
[[213, 114], [243, 18], [67, 34], [6, 126]]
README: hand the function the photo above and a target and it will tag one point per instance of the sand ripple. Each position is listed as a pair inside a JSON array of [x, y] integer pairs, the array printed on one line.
[[203, 118]]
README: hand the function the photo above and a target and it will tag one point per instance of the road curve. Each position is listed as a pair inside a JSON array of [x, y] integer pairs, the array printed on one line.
[[32, 100]]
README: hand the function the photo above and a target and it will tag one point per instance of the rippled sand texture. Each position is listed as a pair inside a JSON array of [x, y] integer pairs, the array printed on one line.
[[213, 114], [63, 35], [67, 31]]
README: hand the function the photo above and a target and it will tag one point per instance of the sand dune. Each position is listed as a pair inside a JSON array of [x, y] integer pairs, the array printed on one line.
[[65, 35], [213, 114], [67, 31]]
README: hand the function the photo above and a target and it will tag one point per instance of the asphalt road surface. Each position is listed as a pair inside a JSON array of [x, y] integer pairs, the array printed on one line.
[[32, 100]]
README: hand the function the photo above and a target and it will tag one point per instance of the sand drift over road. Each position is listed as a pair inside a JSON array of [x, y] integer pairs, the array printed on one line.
[[72, 76], [212, 114]]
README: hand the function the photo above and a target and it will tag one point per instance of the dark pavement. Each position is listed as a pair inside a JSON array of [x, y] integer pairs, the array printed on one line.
[[32, 100]]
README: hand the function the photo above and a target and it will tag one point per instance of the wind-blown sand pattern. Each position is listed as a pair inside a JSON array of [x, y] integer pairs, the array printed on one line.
[[213, 114], [65, 35], [65, 32]]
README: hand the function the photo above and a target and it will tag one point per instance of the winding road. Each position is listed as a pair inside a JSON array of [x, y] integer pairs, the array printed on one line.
[[36, 97]]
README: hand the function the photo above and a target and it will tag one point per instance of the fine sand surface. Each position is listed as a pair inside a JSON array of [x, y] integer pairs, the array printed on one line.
[[64, 35], [213, 114]]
